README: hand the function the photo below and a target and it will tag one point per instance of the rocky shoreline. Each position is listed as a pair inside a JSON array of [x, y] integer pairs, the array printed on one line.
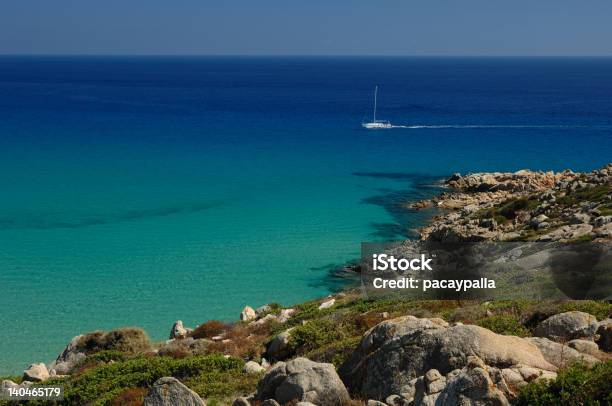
[[345, 350], [523, 206]]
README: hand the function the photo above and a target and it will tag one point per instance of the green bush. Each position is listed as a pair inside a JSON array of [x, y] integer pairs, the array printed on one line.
[[313, 335], [211, 376], [504, 324], [577, 385]]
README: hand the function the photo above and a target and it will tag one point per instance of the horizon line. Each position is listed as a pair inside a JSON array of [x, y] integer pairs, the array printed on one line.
[[300, 55]]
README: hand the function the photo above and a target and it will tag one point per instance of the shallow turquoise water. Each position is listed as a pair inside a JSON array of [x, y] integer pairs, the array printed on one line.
[[138, 191]]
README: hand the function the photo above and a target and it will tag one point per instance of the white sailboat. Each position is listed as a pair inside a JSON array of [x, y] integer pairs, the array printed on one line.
[[376, 124]]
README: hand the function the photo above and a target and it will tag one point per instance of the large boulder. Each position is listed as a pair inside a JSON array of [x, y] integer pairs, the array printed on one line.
[[130, 340], [303, 380], [567, 326], [395, 352], [169, 391], [561, 355], [36, 373]]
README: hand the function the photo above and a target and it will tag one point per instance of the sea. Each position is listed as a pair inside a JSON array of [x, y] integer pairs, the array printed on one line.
[[136, 191]]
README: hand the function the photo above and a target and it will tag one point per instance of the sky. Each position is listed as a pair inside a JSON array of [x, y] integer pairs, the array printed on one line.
[[307, 27]]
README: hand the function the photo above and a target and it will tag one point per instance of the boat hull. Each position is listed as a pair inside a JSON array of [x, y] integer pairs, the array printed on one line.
[[376, 125]]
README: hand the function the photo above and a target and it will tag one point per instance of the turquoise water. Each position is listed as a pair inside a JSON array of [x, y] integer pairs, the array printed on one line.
[[138, 191]]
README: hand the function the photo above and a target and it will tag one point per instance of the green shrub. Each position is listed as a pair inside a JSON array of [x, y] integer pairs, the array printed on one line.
[[313, 335], [336, 352], [211, 375], [577, 385], [504, 324]]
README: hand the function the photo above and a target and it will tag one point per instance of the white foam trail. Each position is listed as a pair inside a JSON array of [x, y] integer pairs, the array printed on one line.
[[459, 126], [484, 126]]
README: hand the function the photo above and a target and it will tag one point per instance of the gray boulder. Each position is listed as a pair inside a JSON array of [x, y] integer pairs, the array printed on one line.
[[303, 380], [584, 346], [560, 355], [169, 391], [70, 357], [270, 402], [396, 351], [566, 326]]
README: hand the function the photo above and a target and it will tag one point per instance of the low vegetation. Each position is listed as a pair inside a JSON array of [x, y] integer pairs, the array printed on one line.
[[112, 376], [576, 385]]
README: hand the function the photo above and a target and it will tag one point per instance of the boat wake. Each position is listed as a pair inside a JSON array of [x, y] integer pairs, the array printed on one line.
[[458, 126]]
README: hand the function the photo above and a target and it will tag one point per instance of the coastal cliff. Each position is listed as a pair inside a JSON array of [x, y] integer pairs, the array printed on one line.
[[348, 350]]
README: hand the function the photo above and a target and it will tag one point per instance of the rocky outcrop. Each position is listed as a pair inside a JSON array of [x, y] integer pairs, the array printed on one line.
[[303, 380], [524, 205], [169, 391], [566, 326], [395, 352]]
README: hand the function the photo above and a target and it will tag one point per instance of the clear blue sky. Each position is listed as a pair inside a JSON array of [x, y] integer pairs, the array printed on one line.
[[306, 27]]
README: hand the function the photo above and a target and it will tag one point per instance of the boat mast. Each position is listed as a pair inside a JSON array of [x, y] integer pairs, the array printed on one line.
[[375, 94]]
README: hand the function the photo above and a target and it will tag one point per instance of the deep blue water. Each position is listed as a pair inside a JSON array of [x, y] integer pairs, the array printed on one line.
[[138, 191]]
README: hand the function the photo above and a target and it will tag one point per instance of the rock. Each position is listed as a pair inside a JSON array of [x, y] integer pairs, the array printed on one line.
[[604, 331], [537, 222], [305, 404], [584, 346], [327, 304], [277, 348], [602, 221], [303, 380], [270, 402], [580, 218], [36, 373], [471, 386], [265, 319], [395, 351], [248, 314], [285, 315], [372, 402], [70, 357], [7, 384], [265, 363], [263, 309], [169, 391], [178, 331], [560, 355], [567, 232], [434, 382], [252, 367], [397, 400], [563, 327], [241, 401]]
